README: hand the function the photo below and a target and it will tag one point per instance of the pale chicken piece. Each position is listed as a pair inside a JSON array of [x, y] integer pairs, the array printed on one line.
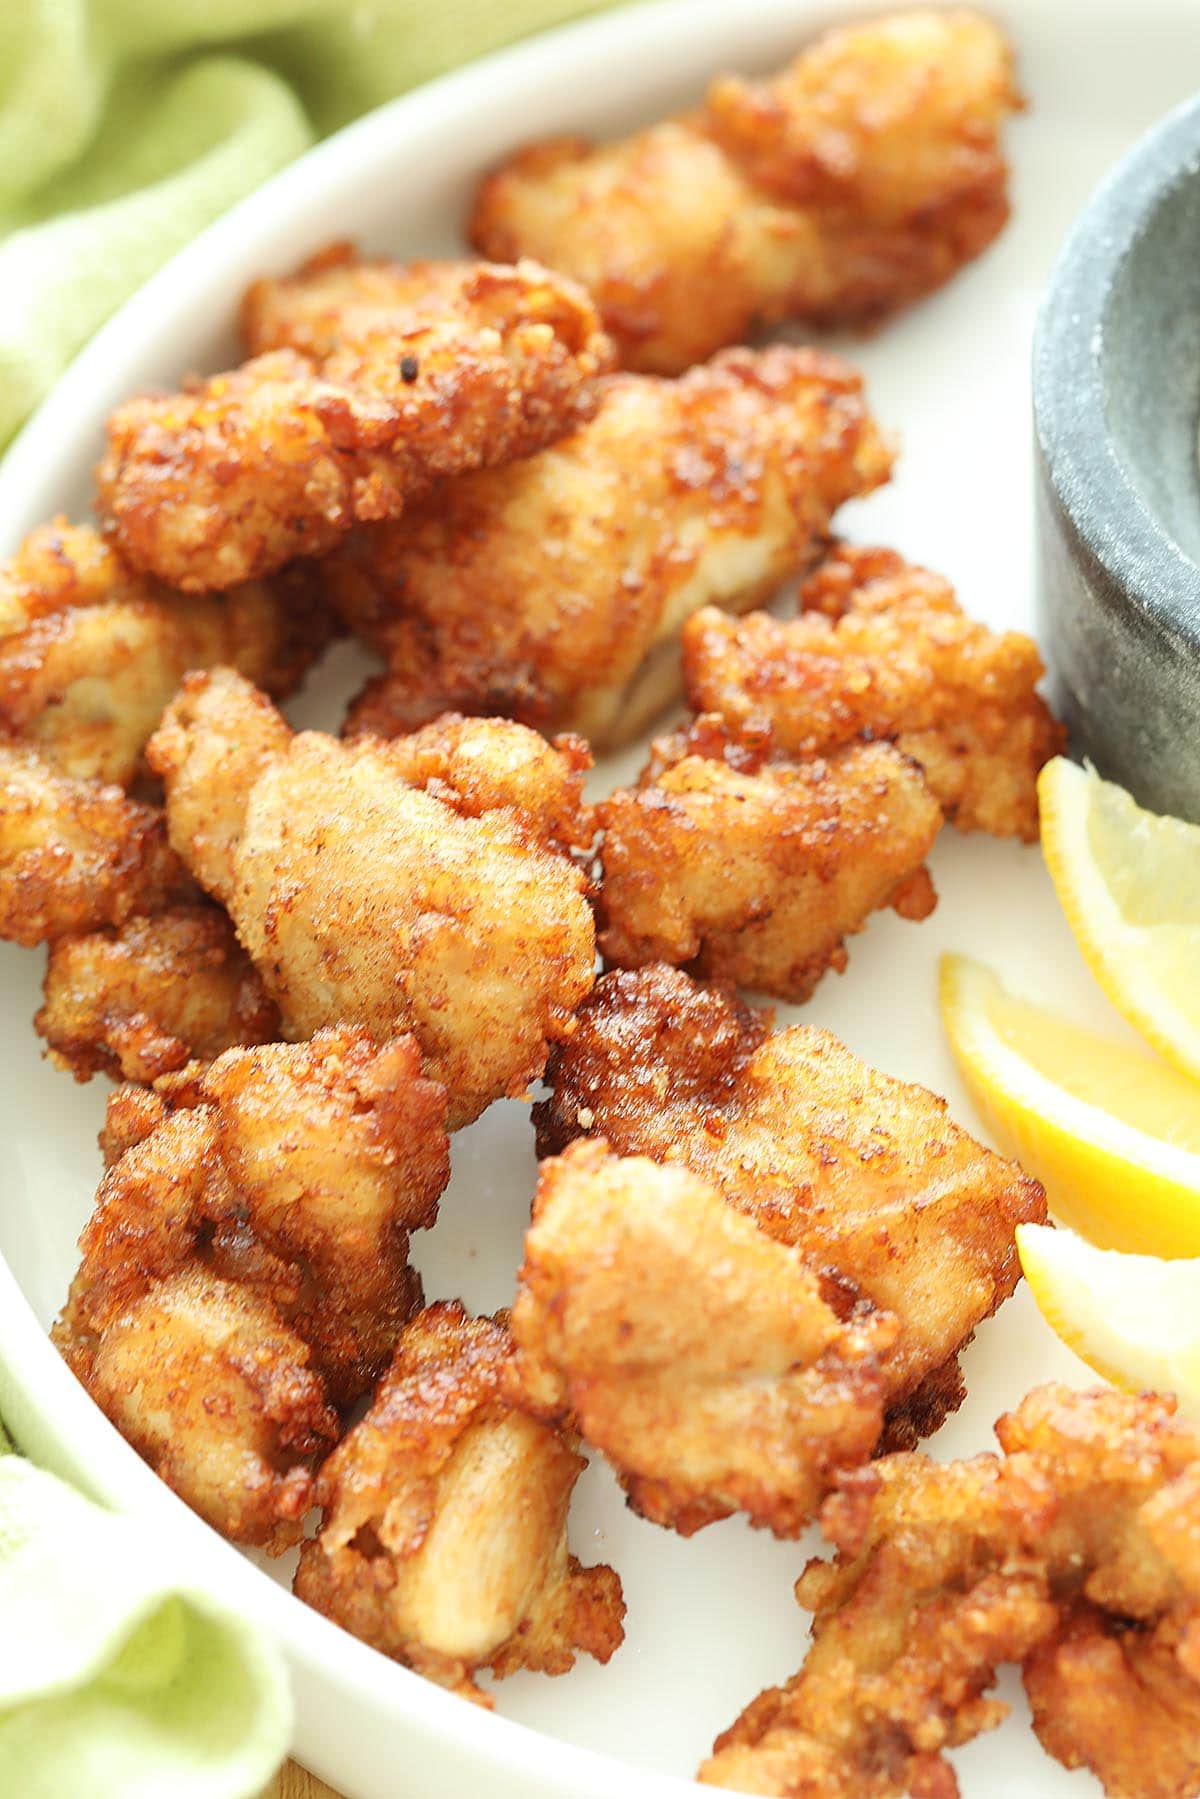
[[861, 177], [444, 1539], [144, 1000], [699, 1355], [866, 1176], [202, 1377], [554, 590], [1074, 1554], [246, 1266], [448, 910], [90, 652], [77, 855], [883, 648], [467, 366], [752, 870]]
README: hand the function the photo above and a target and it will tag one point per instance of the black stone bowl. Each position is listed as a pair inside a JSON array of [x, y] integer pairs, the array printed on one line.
[[1116, 392]]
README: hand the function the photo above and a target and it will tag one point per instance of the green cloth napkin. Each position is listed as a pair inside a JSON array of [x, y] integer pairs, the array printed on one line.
[[117, 1681], [127, 125]]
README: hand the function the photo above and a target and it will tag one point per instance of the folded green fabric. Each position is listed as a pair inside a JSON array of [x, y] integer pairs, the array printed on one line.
[[128, 125], [117, 1681]]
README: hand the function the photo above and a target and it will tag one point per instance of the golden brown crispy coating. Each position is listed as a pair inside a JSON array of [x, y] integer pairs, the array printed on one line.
[[755, 871], [90, 653], [1073, 1552], [142, 1001], [76, 855], [697, 1353], [444, 1542], [883, 648], [247, 1263], [867, 1176], [860, 178], [466, 366], [554, 589], [412, 886]]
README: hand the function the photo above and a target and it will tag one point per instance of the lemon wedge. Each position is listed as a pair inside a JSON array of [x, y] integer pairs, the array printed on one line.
[[1134, 1319], [1129, 884], [1112, 1133]]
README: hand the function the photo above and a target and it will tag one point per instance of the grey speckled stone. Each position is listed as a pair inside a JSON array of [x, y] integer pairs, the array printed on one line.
[[1116, 389]]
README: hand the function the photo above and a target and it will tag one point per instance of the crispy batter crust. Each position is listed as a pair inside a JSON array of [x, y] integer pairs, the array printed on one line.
[[90, 653], [444, 1541], [882, 648], [142, 1001], [417, 886], [554, 590], [697, 1353], [247, 1263], [1074, 1553], [867, 1176], [754, 871], [362, 403], [76, 855], [858, 179]]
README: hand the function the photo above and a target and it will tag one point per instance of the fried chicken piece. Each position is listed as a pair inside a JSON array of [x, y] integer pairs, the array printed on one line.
[[444, 1542], [90, 653], [1073, 1551], [76, 855], [464, 366], [246, 1266], [755, 871], [142, 1001], [884, 649], [554, 589], [695, 1352], [860, 178], [413, 886], [866, 1176]]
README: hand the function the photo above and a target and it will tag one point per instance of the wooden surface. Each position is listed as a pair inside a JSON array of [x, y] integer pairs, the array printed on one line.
[[293, 1783]]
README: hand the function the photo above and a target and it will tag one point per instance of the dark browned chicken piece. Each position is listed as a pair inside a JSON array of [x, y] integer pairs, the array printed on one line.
[[444, 1539], [859, 178], [553, 590], [403, 373], [883, 649], [884, 1196], [747, 868], [246, 1266], [1074, 1553], [698, 1354], [142, 1001]]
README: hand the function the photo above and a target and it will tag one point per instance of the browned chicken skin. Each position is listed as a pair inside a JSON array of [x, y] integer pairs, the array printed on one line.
[[859, 178], [246, 1267], [1074, 1553], [884, 1196], [90, 653], [882, 648], [77, 855], [143, 1001], [553, 590], [444, 1540], [424, 885], [751, 869], [373, 381]]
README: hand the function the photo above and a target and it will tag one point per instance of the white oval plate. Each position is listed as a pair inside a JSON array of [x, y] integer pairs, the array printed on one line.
[[711, 1620]]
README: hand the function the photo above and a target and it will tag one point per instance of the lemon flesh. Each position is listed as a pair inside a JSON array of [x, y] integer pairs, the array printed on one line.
[[1134, 1319], [1129, 884], [1112, 1133]]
